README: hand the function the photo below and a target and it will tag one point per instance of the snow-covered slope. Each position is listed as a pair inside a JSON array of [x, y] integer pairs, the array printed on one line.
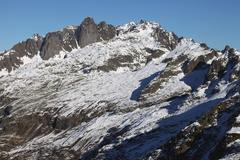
[[130, 97]]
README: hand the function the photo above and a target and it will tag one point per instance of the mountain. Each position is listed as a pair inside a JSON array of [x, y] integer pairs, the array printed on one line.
[[68, 39], [135, 91]]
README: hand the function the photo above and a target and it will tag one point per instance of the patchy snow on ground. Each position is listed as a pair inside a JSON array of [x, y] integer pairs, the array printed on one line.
[[234, 130], [3, 72], [62, 84], [189, 48], [233, 156], [238, 119]]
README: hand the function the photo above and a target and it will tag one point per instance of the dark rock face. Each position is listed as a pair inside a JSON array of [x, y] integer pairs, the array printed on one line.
[[199, 138], [69, 39], [106, 31], [226, 49], [29, 47], [115, 62], [189, 66], [165, 38], [12, 59], [220, 66], [87, 32], [204, 45], [7, 111], [66, 40], [57, 41], [52, 45], [216, 69], [154, 54]]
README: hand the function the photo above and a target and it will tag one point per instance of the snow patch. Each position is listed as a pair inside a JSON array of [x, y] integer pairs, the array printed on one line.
[[3, 72], [234, 130]]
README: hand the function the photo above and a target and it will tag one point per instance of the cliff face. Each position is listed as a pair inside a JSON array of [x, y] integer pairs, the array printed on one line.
[[53, 43], [135, 91], [12, 59]]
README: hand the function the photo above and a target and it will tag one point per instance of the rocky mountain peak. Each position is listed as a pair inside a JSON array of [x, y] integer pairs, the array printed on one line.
[[87, 32], [135, 91], [73, 37], [106, 31], [37, 37], [88, 21]]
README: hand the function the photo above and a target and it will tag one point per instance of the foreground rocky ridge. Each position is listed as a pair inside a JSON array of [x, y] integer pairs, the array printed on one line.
[[134, 91]]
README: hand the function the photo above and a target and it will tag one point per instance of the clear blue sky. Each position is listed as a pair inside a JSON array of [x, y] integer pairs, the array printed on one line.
[[216, 22]]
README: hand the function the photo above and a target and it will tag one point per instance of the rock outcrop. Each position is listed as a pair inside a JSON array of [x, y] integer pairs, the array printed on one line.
[[87, 32], [11, 59], [53, 43], [169, 39], [106, 31]]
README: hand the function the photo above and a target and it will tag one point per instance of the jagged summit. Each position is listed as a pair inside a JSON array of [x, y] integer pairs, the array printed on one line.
[[135, 91], [73, 37]]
